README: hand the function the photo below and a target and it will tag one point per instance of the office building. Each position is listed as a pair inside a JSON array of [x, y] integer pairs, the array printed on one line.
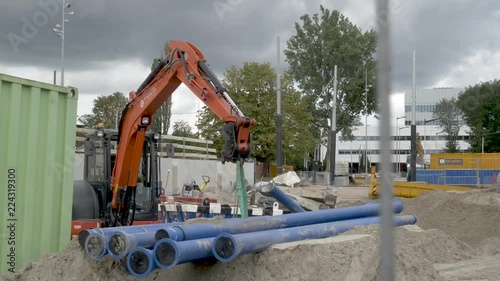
[[426, 100], [433, 139]]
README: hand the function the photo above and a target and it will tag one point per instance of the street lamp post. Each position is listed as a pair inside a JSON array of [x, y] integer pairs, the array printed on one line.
[[397, 146], [366, 123], [59, 30]]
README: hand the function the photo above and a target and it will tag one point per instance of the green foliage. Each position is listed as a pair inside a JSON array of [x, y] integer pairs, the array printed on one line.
[[481, 107], [321, 42], [449, 117], [161, 118], [105, 110], [88, 120], [183, 129], [253, 88]]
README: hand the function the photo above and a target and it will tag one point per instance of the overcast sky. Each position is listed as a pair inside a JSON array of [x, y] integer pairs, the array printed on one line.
[[109, 45]]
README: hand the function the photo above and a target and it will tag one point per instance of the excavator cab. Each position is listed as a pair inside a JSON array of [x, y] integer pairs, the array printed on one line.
[[92, 195]]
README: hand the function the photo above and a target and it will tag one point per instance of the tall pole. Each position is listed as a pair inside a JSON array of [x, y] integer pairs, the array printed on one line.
[[366, 125], [397, 145], [399, 166], [279, 157], [397, 129], [116, 120], [333, 131], [482, 144], [414, 94], [55, 78], [62, 40], [413, 150], [425, 140], [383, 91]]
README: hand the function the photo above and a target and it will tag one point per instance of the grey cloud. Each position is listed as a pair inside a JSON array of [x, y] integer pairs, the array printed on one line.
[[115, 31], [444, 34]]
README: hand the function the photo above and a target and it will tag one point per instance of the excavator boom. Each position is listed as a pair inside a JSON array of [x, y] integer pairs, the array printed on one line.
[[185, 64]]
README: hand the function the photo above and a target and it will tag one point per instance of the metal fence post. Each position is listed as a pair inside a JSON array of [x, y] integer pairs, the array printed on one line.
[[478, 178], [444, 174]]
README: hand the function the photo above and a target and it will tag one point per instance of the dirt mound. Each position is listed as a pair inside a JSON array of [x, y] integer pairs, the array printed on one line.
[[471, 217], [350, 256], [454, 231], [417, 250]]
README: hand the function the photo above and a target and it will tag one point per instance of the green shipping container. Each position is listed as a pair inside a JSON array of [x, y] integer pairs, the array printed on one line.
[[37, 145]]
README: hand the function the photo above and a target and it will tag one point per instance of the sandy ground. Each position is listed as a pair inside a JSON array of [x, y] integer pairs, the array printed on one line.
[[457, 237]]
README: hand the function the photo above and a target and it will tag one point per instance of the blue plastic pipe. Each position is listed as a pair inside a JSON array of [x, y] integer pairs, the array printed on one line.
[[82, 236], [270, 189], [96, 239], [227, 247], [121, 242], [95, 245], [140, 262], [215, 227], [169, 253]]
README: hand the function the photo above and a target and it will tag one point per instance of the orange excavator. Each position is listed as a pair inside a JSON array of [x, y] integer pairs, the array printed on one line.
[[186, 64]]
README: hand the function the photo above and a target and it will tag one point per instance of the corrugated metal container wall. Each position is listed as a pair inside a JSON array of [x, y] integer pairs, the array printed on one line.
[[37, 140], [465, 161]]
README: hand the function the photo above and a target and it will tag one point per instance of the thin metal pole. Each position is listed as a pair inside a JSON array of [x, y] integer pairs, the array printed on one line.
[[366, 125], [333, 128], [279, 156], [425, 141], [413, 145], [414, 94], [62, 47], [399, 166], [482, 144], [116, 120], [383, 92]]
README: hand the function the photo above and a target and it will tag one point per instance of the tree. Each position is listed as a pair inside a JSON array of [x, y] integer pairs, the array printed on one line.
[[321, 42], [480, 105], [161, 118], [88, 120], [253, 88], [449, 115], [183, 129], [105, 111]]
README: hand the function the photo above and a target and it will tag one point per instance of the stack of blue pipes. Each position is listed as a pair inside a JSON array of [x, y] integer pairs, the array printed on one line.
[[163, 246]]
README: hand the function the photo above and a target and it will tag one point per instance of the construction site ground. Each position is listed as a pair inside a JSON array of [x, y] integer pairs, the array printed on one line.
[[457, 237]]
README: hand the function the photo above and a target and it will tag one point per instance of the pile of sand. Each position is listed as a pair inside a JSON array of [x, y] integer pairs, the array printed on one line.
[[454, 232], [471, 217]]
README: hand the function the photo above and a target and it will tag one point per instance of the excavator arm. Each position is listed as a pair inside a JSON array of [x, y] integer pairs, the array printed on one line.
[[186, 64]]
